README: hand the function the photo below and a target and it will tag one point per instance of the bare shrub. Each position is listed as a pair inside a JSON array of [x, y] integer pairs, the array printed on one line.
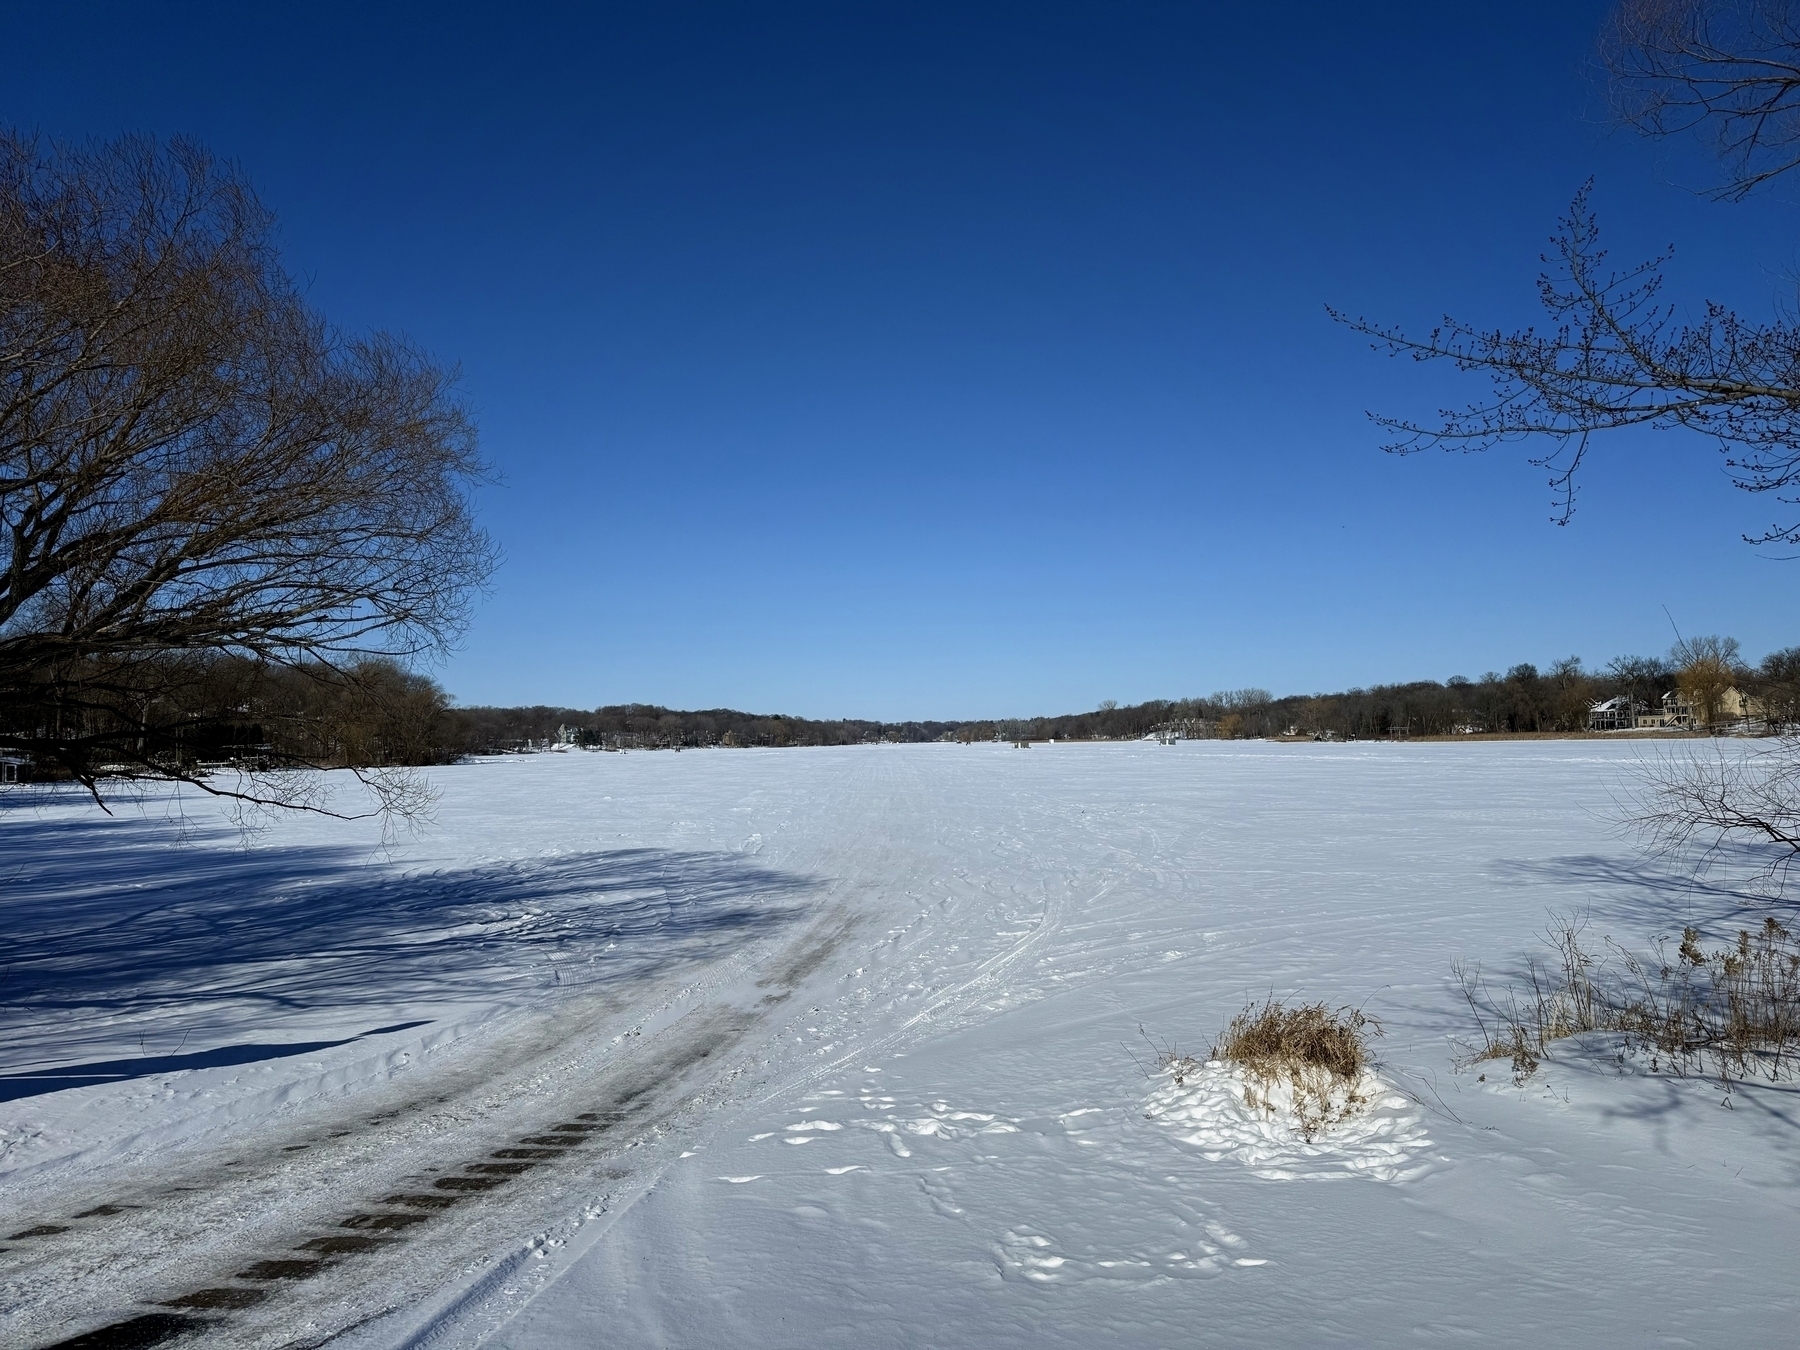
[[1733, 1012], [1311, 1054], [1557, 999]]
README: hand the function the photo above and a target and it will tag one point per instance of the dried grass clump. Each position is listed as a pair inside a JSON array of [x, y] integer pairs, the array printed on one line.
[[1736, 1008], [1558, 999], [1733, 1012], [1312, 1056]]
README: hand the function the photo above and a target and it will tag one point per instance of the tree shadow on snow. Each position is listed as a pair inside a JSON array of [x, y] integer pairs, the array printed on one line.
[[13, 1086], [1649, 893], [104, 922]]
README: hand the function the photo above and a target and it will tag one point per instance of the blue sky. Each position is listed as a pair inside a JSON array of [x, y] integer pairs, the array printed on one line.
[[969, 360]]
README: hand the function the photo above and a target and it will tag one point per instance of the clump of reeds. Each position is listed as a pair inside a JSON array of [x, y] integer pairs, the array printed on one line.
[[1557, 999], [1733, 1012], [1315, 1056]]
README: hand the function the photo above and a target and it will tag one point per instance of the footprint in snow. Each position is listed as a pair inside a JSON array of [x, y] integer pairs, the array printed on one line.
[[1025, 1254]]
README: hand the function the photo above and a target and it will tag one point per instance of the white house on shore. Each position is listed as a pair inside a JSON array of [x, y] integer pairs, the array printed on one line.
[[1674, 713], [1619, 713]]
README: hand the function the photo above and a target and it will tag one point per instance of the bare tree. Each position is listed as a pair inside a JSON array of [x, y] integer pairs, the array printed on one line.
[[1729, 70], [1777, 686], [1706, 668], [196, 468], [1617, 355], [1694, 803]]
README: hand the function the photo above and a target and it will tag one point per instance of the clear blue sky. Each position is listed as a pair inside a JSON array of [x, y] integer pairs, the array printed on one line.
[[900, 361]]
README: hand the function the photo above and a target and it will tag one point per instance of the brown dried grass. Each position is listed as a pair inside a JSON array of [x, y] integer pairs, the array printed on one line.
[[1733, 1012], [1318, 1052]]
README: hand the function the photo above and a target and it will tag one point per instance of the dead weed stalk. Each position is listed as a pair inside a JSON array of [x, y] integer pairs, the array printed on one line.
[[1165, 1058], [1733, 1012]]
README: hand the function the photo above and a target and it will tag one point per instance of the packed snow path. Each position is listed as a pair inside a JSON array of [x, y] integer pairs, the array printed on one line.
[[835, 1046]]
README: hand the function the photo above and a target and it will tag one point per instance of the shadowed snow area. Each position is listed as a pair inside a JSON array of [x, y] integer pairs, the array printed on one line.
[[34, 1082], [849, 1036], [111, 924], [147, 948]]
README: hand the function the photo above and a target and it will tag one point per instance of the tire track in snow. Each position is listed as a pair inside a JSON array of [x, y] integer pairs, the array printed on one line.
[[865, 796], [946, 1008], [277, 1270], [877, 804], [150, 1242]]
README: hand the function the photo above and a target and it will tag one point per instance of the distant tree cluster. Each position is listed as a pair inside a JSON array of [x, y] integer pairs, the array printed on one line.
[[376, 713], [1522, 700], [210, 709], [640, 726]]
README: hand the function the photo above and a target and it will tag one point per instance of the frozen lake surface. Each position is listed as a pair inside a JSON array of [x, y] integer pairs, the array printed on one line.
[[829, 1047]]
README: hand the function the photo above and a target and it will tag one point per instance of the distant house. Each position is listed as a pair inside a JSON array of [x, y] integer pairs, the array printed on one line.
[[1740, 712], [1620, 713], [1735, 709], [1672, 713], [1739, 708]]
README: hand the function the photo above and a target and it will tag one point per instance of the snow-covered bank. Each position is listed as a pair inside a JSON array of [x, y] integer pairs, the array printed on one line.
[[922, 1124]]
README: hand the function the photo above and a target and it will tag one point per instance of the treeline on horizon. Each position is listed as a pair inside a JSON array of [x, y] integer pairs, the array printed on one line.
[[1524, 699], [378, 713]]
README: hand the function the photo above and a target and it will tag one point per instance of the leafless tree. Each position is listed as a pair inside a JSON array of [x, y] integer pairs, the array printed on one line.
[[1617, 357], [1777, 687], [1729, 69], [1638, 676], [1617, 354], [1695, 803], [1706, 668], [196, 468]]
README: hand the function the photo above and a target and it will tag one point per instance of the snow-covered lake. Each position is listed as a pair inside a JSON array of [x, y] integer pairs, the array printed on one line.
[[845, 1049]]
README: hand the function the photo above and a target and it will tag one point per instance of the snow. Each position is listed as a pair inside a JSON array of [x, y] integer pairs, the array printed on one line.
[[853, 1031], [1384, 1136]]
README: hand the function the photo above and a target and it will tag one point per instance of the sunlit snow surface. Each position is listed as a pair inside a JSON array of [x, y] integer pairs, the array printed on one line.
[[1218, 1111], [932, 1123]]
